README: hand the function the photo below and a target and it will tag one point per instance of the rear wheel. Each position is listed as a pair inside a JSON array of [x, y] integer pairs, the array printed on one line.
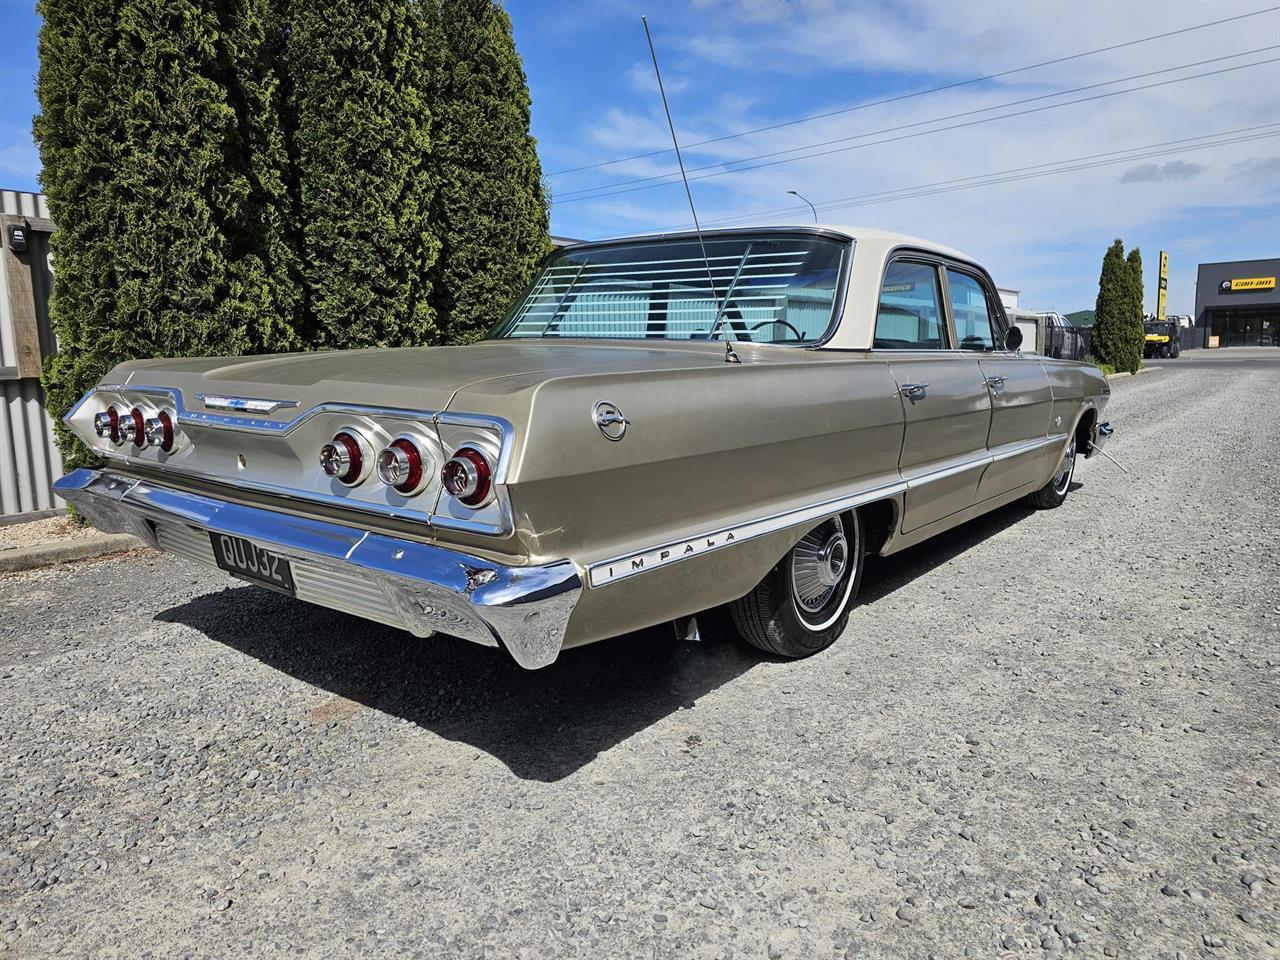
[[802, 605], [1053, 493]]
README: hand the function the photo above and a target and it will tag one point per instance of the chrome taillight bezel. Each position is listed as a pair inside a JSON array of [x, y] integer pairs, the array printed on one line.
[[351, 448], [473, 467], [106, 424], [407, 454], [133, 428], [161, 431]]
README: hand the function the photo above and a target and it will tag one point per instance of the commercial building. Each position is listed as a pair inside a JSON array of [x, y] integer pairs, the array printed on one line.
[[1237, 304]]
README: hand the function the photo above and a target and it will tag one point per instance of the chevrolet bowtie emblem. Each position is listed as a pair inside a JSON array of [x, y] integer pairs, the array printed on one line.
[[243, 404]]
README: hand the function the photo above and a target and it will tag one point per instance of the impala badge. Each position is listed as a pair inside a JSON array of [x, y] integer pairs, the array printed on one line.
[[609, 419], [243, 404]]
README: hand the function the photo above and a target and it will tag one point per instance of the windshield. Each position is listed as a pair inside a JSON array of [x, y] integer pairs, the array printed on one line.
[[768, 289]]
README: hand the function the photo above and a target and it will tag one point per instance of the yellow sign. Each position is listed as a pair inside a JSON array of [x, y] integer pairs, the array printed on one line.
[[1246, 284], [1164, 284]]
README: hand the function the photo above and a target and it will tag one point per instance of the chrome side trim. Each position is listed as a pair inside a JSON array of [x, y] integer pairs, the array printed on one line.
[[1030, 446], [425, 588], [628, 565], [951, 470]]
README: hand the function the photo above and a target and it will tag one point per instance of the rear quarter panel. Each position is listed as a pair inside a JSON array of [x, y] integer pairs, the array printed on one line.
[[705, 449]]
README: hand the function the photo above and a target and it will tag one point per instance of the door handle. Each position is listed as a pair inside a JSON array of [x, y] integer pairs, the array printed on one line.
[[995, 383], [913, 391]]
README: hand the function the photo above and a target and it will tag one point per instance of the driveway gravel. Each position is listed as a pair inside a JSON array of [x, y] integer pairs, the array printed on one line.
[[1043, 734]]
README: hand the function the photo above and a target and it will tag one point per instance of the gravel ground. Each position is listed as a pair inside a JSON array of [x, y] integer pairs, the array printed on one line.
[[1045, 733]]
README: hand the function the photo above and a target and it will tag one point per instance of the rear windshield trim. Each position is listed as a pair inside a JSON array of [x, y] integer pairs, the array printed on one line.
[[508, 322]]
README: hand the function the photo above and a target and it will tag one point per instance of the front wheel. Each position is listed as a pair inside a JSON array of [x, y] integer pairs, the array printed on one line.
[[802, 605], [1053, 493]]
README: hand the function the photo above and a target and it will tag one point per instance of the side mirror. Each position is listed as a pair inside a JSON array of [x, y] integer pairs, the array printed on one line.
[[1012, 339]]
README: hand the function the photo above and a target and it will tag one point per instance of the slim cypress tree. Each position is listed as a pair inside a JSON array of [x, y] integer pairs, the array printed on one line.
[[1132, 331], [159, 249], [490, 205], [359, 107], [1133, 262], [1114, 319]]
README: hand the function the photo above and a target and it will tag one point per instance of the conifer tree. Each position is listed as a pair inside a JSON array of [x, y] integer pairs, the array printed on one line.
[[159, 249], [359, 111], [490, 207], [1113, 335]]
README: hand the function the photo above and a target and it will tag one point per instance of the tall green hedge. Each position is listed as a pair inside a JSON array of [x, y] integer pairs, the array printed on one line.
[[360, 115], [147, 166], [1117, 329], [248, 176], [490, 202]]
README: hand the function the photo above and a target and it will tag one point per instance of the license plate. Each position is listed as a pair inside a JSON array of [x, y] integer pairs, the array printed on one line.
[[248, 561]]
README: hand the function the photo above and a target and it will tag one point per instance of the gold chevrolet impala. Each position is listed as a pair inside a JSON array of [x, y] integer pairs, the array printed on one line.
[[662, 425]]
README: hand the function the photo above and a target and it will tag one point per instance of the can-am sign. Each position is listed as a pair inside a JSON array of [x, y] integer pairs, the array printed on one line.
[[1247, 284]]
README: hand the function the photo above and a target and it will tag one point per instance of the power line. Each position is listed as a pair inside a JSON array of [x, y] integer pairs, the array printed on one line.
[[1032, 171], [919, 93], [603, 189], [834, 202], [922, 133]]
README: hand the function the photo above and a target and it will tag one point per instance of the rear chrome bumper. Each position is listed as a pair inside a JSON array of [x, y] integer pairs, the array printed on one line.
[[1098, 438], [415, 586]]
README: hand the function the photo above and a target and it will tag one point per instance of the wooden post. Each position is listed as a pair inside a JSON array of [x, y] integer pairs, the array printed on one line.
[[22, 301]]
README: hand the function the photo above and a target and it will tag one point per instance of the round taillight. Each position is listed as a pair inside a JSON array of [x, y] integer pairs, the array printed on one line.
[[342, 458], [107, 424], [467, 476], [400, 466], [159, 431], [133, 427]]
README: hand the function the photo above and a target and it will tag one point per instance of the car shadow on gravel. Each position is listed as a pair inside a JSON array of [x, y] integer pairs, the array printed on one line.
[[884, 575], [542, 724]]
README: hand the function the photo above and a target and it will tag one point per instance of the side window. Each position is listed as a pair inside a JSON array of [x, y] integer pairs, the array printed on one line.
[[910, 315], [975, 328]]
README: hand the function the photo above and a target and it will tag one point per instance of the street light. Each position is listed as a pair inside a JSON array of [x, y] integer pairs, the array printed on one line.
[[811, 206]]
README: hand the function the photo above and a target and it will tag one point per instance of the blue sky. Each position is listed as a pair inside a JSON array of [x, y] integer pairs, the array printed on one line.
[[735, 65]]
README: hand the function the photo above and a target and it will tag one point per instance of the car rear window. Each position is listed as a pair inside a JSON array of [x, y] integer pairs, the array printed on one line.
[[767, 289]]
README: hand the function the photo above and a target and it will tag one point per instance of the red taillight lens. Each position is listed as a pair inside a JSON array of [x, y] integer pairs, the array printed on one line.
[[341, 458], [107, 424], [400, 466], [467, 476], [159, 431]]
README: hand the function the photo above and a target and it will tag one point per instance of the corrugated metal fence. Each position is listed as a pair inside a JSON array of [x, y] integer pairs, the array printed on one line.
[[29, 461]]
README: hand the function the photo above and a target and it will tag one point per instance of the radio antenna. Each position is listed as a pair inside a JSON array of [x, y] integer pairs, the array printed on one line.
[[729, 355]]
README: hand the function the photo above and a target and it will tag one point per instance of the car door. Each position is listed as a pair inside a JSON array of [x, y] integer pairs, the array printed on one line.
[[1021, 398], [945, 402]]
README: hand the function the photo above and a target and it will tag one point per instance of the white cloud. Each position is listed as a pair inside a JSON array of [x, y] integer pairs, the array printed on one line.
[[1029, 232]]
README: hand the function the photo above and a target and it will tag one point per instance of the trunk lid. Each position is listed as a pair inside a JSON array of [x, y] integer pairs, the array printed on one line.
[[416, 378]]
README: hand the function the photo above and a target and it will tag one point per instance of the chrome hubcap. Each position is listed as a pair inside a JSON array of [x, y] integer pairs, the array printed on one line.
[[1063, 476], [818, 564]]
